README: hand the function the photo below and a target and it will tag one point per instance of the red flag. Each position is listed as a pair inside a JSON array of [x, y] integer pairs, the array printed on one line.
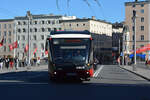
[[34, 51], [46, 52], [1, 43], [15, 44], [10, 47], [26, 48]]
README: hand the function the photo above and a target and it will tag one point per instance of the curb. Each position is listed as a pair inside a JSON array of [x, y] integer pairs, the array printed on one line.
[[148, 79]]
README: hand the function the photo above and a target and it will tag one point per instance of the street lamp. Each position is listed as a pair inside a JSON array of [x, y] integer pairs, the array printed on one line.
[[29, 16]]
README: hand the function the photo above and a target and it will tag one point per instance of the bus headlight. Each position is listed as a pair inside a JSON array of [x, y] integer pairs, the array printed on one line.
[[80, 67]]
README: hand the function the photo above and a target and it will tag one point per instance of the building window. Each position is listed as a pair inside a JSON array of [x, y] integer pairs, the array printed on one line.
[[142, 19], [35, 30], [5, 33], [133, 28], [19, 30], [133, 6], [49, 22], [132, 47], [5, 26], [24, 30], [142, 5], [4, 48], [9, 33], [42, 37], [9, 25], [34, 36], [42, 46], [23, 37], [55, 29], [70, 25], [19, 23], [30, 29], [142, 11], [18, 37], [133, 37], [34, 45], [49, 29], [43, 22], [24, 23], [9, 40], [43, 30], [77, 25], [142, 37], [142, 28], [83, 24], [23, 46], [5, 40], [141, 45], [35, 22]]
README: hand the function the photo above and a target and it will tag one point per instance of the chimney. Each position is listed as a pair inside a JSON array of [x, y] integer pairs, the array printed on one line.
[[93, 17]]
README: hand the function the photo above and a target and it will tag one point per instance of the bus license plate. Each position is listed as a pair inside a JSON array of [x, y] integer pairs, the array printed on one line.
[[71, 74]]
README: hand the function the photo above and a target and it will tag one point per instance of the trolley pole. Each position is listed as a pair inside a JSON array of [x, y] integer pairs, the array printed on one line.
[[134, 33]]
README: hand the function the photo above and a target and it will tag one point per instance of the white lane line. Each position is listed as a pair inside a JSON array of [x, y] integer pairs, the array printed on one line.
[[98, 71]]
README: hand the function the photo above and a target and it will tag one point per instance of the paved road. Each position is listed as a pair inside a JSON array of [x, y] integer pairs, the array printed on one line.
[[109, 83]]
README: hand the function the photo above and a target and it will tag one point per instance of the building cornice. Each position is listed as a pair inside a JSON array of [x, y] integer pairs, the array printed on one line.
[[85, 20], [6, 20], [136, 3]]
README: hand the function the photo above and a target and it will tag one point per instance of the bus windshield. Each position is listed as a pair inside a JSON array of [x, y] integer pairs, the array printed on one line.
[[74, 51]]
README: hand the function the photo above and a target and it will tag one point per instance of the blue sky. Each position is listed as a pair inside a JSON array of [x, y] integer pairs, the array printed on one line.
[[110, 10]]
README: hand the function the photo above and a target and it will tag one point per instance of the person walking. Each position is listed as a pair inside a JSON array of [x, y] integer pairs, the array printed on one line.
[[7, 63], [1, 63], [11, 63], [16, 61], [38, 61]]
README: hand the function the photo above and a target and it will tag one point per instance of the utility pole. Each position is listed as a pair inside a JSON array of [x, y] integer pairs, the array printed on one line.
[[134, 33], [29, 20], [123, 47]]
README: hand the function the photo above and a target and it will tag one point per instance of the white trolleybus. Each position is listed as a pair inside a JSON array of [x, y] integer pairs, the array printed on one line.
[[70, 53]]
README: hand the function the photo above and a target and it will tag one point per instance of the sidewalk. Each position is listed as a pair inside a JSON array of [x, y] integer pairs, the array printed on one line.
[[32, 68], [140, 70]]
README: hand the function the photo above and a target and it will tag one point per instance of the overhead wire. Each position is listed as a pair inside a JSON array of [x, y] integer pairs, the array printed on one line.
[[88, 4]]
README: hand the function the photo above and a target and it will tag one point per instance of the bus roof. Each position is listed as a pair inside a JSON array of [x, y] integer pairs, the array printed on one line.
[[70, 36], [70, 32]]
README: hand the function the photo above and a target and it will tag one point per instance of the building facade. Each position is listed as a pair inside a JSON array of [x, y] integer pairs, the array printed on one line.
[[142, 9], [6, 33], [35, 29]]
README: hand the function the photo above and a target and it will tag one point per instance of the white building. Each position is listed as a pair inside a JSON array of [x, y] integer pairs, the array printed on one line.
[[37, 27]]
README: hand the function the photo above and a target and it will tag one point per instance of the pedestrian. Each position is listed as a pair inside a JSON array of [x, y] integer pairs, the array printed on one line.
[[7, 62], [1, 63], [11, 63], [16, 61], [118, 60], [38, 61]]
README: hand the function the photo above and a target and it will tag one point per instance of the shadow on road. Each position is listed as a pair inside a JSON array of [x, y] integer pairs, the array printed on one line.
[[37, 86]]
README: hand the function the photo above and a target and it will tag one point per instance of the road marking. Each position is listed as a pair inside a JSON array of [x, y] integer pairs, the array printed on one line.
[[98, 71]]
